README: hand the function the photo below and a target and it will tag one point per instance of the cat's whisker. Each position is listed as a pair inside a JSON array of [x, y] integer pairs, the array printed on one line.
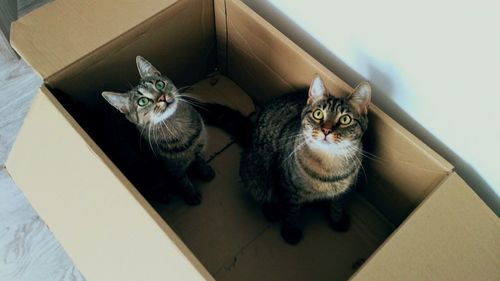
[[154, 138], [187, 87], [199, 105], [376, 158], [161, 131], [360, 161], [190, 99], [163, 126], [167, 127], [295, 150], [140, 135], [354, 156], [149, 140], [369, 155], [363, 169]]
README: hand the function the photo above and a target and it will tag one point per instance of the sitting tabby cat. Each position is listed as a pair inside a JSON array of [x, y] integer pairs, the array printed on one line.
[[306, 149], [172, 127]]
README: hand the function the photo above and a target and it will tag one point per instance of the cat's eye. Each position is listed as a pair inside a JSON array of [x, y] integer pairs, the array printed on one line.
[[345, 119], [318, 114], [143, 101], [160, 85]]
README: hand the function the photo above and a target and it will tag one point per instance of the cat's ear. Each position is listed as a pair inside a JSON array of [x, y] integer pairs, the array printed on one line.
[[317, 90], [145, 67], [360, 98], [118, 100]]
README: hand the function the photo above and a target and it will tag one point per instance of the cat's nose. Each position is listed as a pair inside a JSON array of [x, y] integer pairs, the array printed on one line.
[[326, 131], [162, 98]]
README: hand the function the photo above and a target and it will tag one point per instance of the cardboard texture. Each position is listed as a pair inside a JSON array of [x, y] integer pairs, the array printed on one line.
[[184, 61], [52, 43], [453, 235], [112, 233], [92, 210]]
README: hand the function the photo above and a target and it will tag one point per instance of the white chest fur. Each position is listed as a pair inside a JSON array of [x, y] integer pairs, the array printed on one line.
[[321, 174]]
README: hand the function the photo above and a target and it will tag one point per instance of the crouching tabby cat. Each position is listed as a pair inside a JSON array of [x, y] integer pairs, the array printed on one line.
[[305, 149], [172, 127]]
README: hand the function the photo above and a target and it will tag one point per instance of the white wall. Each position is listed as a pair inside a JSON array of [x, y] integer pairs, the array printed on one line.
[[434, 65]]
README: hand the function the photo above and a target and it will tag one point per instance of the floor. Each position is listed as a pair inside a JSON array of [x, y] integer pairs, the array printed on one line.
[[28, 250]]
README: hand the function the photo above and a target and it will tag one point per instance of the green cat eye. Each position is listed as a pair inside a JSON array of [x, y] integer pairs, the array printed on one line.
[[318, 114], [345, 119], [160, 85], [143, 101]]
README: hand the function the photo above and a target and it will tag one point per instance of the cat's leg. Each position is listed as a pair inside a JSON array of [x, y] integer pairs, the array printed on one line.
[[200, 168], [271, 211], [339, 220], [291, 228], [177, 174], [188, 191], [272, 208]]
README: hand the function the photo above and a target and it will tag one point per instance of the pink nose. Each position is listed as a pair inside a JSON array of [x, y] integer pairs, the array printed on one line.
[[326, 131], [161, 98]]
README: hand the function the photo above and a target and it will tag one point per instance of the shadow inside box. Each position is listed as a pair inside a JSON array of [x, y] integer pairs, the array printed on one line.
[[133, 155], [120, 140], [227, 232]]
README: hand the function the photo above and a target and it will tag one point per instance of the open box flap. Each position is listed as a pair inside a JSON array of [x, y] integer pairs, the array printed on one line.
[[62, 32], [453, 235], [256, 51], [52, 152]]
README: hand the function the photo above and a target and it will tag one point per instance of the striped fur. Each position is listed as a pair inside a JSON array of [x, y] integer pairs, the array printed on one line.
[[173, 129], [291, 160]]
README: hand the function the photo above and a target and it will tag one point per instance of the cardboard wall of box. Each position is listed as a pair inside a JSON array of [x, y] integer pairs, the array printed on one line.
[[111, 232]]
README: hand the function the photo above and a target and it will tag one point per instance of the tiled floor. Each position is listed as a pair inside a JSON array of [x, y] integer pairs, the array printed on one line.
[[28, 250]]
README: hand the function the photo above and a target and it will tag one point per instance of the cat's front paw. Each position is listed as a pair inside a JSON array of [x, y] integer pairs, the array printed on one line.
[[341, 224], [201, 170], [291, 234], [192, 199], [206, 173]]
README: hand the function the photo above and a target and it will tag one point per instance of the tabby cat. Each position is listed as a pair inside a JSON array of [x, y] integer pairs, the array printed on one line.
[[306, 147], [172, 127]]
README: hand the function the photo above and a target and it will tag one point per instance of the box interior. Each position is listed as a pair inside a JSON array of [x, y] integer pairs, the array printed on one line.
[[229, 54]]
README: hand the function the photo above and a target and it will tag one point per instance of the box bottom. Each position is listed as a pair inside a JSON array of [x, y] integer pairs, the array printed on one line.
[[228, 232], [234, 241]]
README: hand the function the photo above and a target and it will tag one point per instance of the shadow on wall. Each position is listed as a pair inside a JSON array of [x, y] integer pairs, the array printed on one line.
[[382, 86]]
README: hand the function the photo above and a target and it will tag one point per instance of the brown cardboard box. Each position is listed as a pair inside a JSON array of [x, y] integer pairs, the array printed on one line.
[[112, 233]]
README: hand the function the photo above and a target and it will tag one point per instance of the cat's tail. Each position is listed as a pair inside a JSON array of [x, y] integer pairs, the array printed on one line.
[[229, 120]]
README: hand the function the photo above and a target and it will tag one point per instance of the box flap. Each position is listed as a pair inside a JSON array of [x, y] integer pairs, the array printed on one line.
[[453, 235], [399, 169], [125, 239], [61, 32], [256, 51]]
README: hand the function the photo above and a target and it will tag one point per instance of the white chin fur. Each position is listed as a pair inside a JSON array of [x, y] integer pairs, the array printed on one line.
[[165, 114], [331, 147]]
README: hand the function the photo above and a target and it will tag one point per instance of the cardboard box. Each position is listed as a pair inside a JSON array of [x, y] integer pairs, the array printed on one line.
[[413, 218]]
